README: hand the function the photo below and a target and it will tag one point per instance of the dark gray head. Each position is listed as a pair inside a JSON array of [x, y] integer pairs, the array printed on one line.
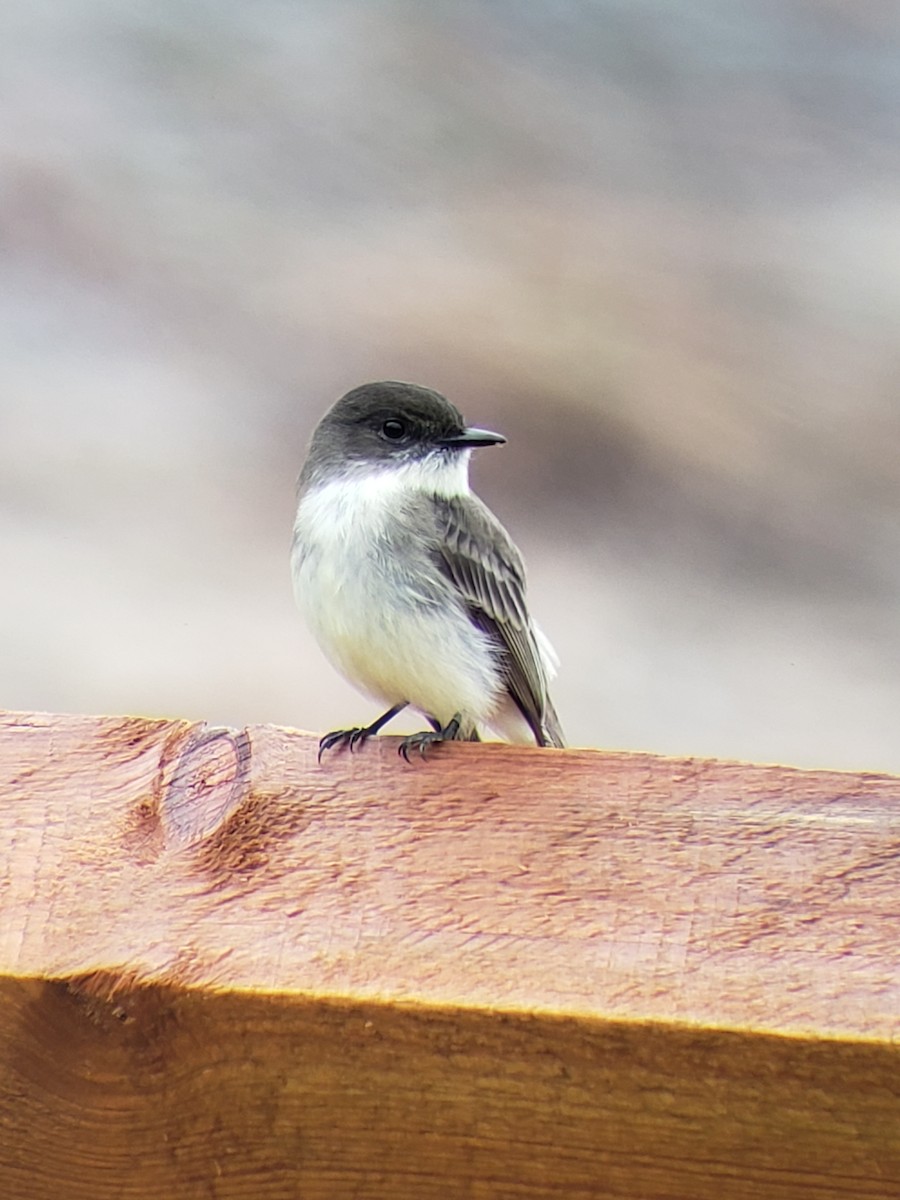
[[389, 423]]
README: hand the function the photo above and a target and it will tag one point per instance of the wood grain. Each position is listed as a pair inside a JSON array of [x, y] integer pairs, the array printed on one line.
[[228, 971]]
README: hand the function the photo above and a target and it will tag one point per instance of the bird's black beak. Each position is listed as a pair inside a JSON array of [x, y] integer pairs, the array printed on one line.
[[470, 438]]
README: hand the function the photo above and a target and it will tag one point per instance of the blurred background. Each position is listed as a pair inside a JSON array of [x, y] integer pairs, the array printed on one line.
[[655, 243]]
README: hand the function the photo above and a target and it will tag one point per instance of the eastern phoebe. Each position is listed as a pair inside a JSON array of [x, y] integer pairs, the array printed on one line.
[[412, 587]]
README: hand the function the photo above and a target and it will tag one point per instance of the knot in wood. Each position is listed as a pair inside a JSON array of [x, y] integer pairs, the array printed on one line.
[[209, 782]]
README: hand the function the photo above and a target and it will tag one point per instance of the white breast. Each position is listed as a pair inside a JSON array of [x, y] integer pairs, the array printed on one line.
[[391, 627]]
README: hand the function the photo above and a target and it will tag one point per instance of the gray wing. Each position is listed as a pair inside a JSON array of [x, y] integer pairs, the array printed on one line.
[[477, 554]]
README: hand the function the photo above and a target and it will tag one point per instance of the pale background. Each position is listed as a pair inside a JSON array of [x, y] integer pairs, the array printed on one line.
[[656, 243]]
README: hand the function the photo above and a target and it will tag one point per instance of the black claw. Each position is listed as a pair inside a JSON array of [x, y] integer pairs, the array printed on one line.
[[357, 738], [351, 738], [339, 737], [431, 737], [420, 742], [359, 733]]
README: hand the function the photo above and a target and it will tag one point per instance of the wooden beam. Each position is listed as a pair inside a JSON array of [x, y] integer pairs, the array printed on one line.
[[228, 971]]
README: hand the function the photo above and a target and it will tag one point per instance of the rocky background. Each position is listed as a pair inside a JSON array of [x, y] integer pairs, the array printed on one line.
[[656, 243]]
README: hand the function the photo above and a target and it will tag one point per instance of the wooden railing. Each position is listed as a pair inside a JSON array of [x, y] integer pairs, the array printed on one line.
[[228, 971]]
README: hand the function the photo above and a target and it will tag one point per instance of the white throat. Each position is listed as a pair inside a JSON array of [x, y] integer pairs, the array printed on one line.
[[445, 475], [439, 474], [361, 503]]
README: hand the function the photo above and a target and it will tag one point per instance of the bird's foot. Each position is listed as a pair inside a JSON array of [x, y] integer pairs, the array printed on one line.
[[344, 737], [358, 734], [431, 737]]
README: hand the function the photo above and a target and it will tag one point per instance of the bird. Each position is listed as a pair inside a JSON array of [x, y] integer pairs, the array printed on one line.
[[409, 583]]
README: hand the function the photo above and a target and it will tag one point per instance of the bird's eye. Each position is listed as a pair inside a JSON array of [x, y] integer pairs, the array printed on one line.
[[394, 429]]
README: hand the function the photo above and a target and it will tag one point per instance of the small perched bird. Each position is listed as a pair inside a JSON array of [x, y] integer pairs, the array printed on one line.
[[410, 584]]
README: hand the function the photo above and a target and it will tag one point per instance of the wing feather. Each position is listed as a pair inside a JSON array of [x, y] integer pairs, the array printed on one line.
[[479, 557]]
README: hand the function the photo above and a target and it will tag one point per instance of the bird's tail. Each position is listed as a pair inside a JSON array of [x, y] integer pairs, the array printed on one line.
[[551, 729]]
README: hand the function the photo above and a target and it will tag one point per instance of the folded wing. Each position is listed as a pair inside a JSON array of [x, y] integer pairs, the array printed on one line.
[[477, 554]]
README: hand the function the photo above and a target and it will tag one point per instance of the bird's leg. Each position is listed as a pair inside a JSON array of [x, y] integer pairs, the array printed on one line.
[[437, 733], [356, 736], [437, 727]]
